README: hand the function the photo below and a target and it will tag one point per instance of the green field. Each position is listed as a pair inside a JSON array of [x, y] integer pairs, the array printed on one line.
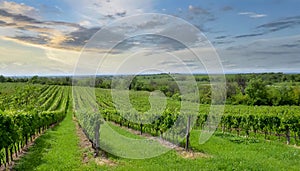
[[238, 144]]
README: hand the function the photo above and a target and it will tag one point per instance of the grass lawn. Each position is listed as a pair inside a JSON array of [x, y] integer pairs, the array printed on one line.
[[227, 152], [58, 149]]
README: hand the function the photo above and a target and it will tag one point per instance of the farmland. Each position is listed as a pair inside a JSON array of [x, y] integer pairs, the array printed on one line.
[[248, 137]]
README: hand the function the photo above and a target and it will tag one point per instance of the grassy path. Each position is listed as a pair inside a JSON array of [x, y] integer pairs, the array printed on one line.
[[57, 149]]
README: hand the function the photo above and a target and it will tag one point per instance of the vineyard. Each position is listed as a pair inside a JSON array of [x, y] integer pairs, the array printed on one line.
[[282, 122], [27, 111]]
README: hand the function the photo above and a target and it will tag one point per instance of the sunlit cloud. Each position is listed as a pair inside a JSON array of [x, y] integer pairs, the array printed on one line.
[[16, 8], [253, 14]]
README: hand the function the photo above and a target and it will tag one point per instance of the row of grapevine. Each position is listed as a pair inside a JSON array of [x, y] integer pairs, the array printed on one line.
[[18, 126], [160, 118], [169, 124], [267, 120], [282, 120], [87, 114]]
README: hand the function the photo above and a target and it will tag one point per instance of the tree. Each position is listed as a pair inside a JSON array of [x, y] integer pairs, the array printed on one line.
[[232, 89], [286, 92], [274, 96], [34, 79], [241, 80], [296, 95], [2, 79], [257, 91]]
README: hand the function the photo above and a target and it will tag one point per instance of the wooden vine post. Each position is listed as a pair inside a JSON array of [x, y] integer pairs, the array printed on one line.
[[188, 133], [97, 135]]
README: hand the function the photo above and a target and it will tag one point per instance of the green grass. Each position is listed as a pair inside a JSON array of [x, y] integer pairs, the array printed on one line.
[[236, 153], [57, 149], [124, 132], [228, 152]]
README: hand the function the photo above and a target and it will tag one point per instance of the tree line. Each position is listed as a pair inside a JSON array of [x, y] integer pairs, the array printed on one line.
[[273, 89]]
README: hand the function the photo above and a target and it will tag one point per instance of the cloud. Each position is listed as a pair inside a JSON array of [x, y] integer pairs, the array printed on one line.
[[200, 14], [10, 17], [196, 15], [274, 26], [22, 9], [85, 23], [294, 45], [253, 14], [153, 23], [249, 35], [281, 24], [80, 37], [30, 59], [99, 12], [275, 54], [221, 37], [34, 40], [222, 42], [159, 43], [227, 8], [35, 31], [198, 10], [65, 35]]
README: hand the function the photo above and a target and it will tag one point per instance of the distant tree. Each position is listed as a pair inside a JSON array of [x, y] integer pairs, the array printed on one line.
[[232, 89], [286, 92], [241, 80], [9, 79], [257, 91], [274, 96], [2, 79], [240, 99], [34, 79]]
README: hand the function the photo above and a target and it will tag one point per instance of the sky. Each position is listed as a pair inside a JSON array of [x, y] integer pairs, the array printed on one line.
[[63, 37]]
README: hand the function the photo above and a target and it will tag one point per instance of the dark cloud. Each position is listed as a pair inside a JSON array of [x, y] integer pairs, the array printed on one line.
[[17, 17], [198, 10], [222, 42], [151, 41], [267, 54], [49, 29], [2, 23], [80, 37], [200, 14], [249, 35], [183, 33], [274, 53], [110, 16], [227, 8], [274, 26], [116, 15], [121, 14], [290, 45], [21, 18], [150, 24], [197, 15], [35, 40], [61, 23], [281, 24], [221, 37]]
